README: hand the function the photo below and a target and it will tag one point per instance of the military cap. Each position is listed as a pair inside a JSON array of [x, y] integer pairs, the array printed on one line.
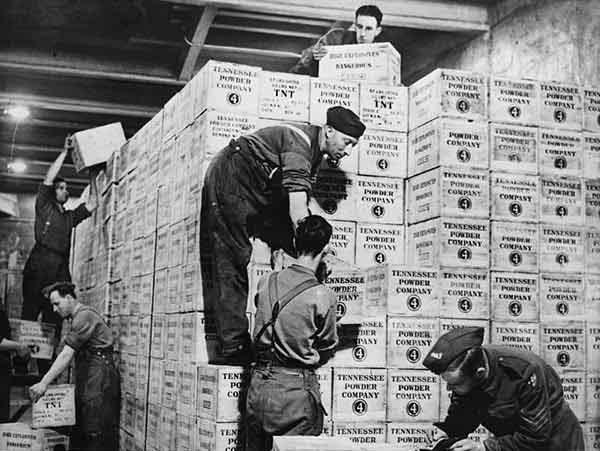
[[56, 286], [452, 345], [345, 121]]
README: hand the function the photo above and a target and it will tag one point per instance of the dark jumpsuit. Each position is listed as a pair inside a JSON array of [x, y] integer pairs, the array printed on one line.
[[97, 386], [245, 194], [521, 403], [49, 258], [4, 369]]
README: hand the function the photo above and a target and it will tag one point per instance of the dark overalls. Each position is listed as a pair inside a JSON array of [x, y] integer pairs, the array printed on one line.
[[4, 370], [97, 398], [284, 398], [240, 199]]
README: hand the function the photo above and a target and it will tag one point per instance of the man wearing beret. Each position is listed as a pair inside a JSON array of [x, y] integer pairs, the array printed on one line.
[[97, 390], [259, 186], [513, 393]]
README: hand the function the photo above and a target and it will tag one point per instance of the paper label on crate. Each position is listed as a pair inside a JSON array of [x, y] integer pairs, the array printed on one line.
[[592, 203], [380, 199], [561, 200], [144, 338], [140, 421], [327, 93], [333, 195], [561, 153], [362, 345], [409, 340], [284, 96], [514, 246], [413, 395], [169, 380], [186, 389], [359, 394], [168, 429], [219, 436], [409, 436], [379, 243], [192, 288], [592, 390], [514, 296], [593, 345], [561, 249], [360, 433], [561, 105], [592, 295], [162, 248], [382, 153], [349, 289], [592, 250], [561, 297], [384, 107], [40, 337], [513, 148], [448, 324], [158, 336], [161, 293], [464, 243], [186, 426], [464, 293], [216, 129], [514, 100], [514, 197], [524, 336], [220, 389], [55, 408], [591, 109], [591, 432], [563, 344], [155, 381], [573, 385], [591, 155], [343, 240], [175, 287]]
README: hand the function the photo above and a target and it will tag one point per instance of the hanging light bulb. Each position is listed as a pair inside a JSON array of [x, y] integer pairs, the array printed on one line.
[[17, 166], [18, 112]]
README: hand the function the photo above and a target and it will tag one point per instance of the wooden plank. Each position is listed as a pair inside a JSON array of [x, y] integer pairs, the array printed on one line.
[[208, 15], [251, 51], [264, 30]]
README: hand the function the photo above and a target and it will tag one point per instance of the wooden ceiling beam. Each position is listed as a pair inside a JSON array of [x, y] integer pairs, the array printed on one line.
[[263, 30], [324, 23], [197, 41], [251, 51]]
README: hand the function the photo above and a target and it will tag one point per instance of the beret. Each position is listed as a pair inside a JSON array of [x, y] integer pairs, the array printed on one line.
[[57, 285], [450, 346], [345, 121]]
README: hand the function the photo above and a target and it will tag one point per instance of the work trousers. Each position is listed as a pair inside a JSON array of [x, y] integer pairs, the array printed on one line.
[[4, 389], [566, 431], [239, 201], [281, 401]]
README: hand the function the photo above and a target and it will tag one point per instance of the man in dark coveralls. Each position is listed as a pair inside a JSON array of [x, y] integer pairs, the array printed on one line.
[[513, 393], [259, 185], [49, 258], [97, 389]]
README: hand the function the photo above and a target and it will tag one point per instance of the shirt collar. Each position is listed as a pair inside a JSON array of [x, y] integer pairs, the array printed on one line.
[[303, 269], [75, 310], [492, 382]]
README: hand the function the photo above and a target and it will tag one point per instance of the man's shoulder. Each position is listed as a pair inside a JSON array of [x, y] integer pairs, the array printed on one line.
[[85, 315], [519, 363]]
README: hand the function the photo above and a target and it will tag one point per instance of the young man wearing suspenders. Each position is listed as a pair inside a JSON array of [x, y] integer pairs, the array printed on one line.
[[295, 333], [259, 186]]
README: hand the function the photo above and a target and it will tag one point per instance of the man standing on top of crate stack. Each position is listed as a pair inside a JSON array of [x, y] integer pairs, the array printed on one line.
[[259, 186], [49, 258], [365, 30], [513, 393]]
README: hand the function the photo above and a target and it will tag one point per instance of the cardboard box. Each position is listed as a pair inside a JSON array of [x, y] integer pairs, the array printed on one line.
[[561, 248], [226, 87], [592, 203], [413, 395], [591, 433], [446, 92], [349, 289], [561, 200], [453, 242], [175, 289], [514, 101], [155, 381], [592, 251], [448, 142], [561, 105], [591, 109], [592, 390], [592, 296], [20, 437], [186, 432], [308, 443], [384, 107], [198, 338], [40, 337], [343, 240], [379, 199], [211, 436], [169, 388], [563, 344], [359, 394], [157, 347], [514, 246], [221, 389], [561, 297], [592, 333], [408, 436], [139, 433], [378, 62], [382, 153], [187, 389], [193, 300], [514, 296], [56, 408], [514, 148], [153, 427], [514, 197], [96, 145], [327, 93], [464, 293], [409, 340], [168, 429], [161, 292], [216, 129], [362, 345], [334, 195], [560, 153], [360, 433], [379, 243], [284, 96], [448, 192], [173, 337], [144, 338], [405, 290], [525, 336], [573, 385]]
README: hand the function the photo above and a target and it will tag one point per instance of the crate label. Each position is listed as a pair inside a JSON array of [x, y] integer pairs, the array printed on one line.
[[169, 388], [359, 394], [155, 381], [514, 100], [362, 346], [384, 107], [561, 105], [360, 433], [158, 333], [573, 385], [334, 195], [513, 148], [325, 94], [220, 389], [592, 390], [514, 296], [413, 395], [284, 96], [563, 344], [592, 203], [514, 246], [216, 129], [185, 427], [591, 109], [380, 199], [379, 243], [173, 330], [592, 250], [514, 197], [349, 289], [561, 200], [561, 153], [176, 243], [464, 293], [592, 296], [382, 153], [186, 389], [591, 155], [55, 408], [410, 436], [40, 337], [409, 340], [561, 297], [464, 243], [343, 240], [561, 249], [211, 436], [593, 345], [175, 287], [520, 336]]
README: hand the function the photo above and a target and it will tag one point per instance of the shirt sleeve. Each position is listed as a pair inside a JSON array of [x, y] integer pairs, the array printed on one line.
[[306, 64], [327, 337], [296, 162], [45, 196], [82, 328], [80, 213], [461, 419]]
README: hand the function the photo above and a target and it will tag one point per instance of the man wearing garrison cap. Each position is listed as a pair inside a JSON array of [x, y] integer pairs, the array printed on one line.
[[513, 393], [259, 186]]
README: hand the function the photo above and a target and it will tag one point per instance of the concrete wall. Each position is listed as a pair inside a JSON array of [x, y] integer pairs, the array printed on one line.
[[544, 39]]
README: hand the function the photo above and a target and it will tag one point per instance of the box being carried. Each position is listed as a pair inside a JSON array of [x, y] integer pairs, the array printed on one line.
[[20, 436], [39, 336], [371, 63], [96, 145], [55, 408]]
